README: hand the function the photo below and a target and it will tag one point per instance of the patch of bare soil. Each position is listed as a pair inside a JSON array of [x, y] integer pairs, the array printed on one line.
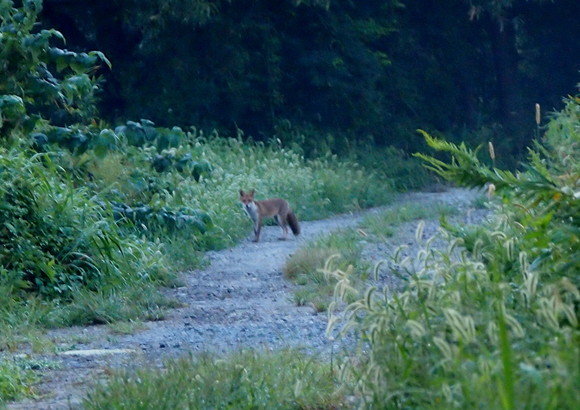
[[240, 300]]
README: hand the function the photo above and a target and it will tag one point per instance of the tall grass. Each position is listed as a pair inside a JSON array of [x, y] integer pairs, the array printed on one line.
[[343, 249], [490, 321], [304, 267], [315, 188], [76, 250], [459, 333], [15, 380], [286, 379]]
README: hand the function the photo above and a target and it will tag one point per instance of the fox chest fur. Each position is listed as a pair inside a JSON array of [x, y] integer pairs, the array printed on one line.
[[252, 211]]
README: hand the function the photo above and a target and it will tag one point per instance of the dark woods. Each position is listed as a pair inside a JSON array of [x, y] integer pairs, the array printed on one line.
[[357, 70]]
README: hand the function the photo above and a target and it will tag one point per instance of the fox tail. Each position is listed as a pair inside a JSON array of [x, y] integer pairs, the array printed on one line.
[[293, 222]]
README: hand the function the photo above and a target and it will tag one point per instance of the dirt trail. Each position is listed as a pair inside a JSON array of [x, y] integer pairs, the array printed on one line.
[[239, 300]]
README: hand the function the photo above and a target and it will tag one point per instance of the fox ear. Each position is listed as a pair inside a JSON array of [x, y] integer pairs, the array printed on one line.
[[241, 193], [252, 192]]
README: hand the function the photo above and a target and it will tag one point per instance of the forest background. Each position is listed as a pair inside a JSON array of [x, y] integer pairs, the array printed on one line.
[[325, 74]]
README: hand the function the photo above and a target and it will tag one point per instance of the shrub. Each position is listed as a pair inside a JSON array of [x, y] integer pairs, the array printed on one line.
[[56, 239], [31, 92]]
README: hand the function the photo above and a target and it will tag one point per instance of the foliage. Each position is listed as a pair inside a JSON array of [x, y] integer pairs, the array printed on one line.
[[491, 320], [342, 250], [547, 193], [245, 380], [15, 379], [30, 92], [337, 70], [59, 238], [55, 239], [91, 215], [305, 266]]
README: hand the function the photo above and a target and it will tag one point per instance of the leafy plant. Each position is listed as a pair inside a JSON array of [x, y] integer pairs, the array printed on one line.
[[15, 380], [30, 92], [491, 320]]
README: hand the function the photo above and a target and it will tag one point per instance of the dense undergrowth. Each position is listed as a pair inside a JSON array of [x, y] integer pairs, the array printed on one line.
[[491, 320]]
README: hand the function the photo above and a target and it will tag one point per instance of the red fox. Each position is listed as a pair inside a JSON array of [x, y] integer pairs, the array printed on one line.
[[276, 208]]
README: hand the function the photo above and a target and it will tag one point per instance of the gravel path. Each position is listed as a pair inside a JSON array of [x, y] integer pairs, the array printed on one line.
[[239, 300]]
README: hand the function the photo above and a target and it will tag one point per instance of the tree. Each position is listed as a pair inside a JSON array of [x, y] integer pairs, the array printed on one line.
[[352, 69]]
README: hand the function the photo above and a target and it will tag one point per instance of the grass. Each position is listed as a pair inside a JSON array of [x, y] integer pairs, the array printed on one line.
[[15, 381], [126, 328], [262, 379], [489, 320], [460, 334], [383, 225], [17, 375], [132, 261], [304, 267], [286, 379]]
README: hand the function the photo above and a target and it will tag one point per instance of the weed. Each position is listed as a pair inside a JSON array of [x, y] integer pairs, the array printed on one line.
[[490, 320], [244, 380], [304, 267], [15, 379], [383, 224], [126, 328]]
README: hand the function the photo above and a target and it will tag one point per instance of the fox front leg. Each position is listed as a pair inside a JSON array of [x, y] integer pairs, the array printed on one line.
[[257, 229]]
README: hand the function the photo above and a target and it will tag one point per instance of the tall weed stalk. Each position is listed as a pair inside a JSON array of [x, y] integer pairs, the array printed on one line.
[[496, 311]]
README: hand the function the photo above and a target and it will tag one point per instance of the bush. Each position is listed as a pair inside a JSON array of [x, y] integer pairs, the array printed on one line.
[[32, 93], [56, 239]]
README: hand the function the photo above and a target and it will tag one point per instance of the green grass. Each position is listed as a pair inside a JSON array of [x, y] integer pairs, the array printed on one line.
[[116, 282], [304, 267], [15, 382], [126, 328], [286, 379], [463, 333], [143, 302], [17, 375], [383, 225], [73, 265], [490, 319]]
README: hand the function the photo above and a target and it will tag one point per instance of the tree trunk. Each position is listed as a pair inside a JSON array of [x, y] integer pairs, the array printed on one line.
[[505, 58]]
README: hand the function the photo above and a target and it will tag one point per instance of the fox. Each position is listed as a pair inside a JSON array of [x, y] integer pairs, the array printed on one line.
[[276, 208]]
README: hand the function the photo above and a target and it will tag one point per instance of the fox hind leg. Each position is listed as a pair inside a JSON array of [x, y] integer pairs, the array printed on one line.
[[282, 222]]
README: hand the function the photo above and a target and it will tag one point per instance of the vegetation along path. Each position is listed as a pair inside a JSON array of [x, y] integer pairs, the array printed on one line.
[[239, 300]]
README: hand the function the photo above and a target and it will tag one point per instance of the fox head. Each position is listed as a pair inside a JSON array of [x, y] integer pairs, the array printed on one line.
[[247, 198]]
